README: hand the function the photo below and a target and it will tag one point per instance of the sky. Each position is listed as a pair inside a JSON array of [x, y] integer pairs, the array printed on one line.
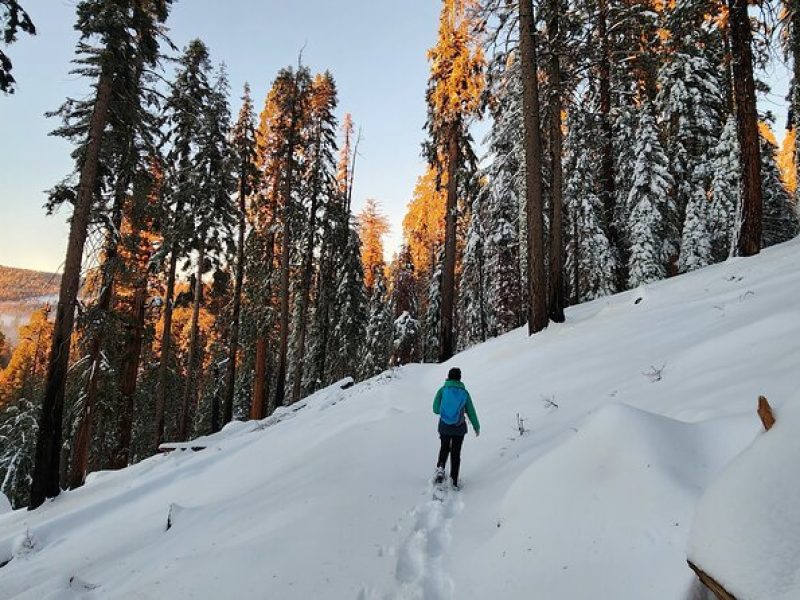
[[375, 49]]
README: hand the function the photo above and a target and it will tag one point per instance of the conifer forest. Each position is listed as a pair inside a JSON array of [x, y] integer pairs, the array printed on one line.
[[217, 269]]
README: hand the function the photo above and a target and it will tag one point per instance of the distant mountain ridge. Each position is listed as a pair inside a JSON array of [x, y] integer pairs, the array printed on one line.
[[21, 284]]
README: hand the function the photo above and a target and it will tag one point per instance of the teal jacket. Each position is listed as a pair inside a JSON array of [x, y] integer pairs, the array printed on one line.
[[452, 401]]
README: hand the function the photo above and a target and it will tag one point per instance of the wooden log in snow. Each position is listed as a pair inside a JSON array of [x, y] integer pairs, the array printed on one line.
[[765, 412], [711, 584]]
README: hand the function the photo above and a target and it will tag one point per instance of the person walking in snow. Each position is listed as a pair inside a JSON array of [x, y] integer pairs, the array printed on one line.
[[451, 403]]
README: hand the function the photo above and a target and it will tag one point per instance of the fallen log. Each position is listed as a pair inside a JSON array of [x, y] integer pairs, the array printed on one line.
[[711, 584]]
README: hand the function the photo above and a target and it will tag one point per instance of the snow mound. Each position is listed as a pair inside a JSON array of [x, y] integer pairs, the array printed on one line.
[[746, 531], [614, 498]]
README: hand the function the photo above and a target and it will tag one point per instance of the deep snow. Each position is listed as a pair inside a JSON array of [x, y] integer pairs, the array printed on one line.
[[331, 498], [746, 531]]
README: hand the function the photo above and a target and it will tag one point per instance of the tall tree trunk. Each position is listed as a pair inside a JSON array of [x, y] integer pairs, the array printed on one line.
[[83, 435], [608, 187], [189, 389], [288, 184], [230, 375], [305, 288], [129, 373], [258, 403], [556, 302], [449, 270], [166, 345], [46, 474], [749, 241], [576, 288], [532, 143]]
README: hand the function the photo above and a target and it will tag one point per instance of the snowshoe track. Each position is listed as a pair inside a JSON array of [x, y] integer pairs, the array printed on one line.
[[420, 572]]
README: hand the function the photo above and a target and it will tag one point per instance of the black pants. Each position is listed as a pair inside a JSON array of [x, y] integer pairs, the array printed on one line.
[[451, 445]]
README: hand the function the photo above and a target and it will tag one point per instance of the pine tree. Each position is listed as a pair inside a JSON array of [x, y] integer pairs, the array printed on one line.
[[320, 185], [292, 99], [406, 339], [373, 225], [123, 31], [689, 104], [19, 427], [189, 93], [780, 221], [453, 97], [212, 220], [590, 264], [13, 19], [244, 155], [380, 334], [696, 248], [651, 186], [725, 192], [502, 195], [538, 315], [749, 237], [431, 324], [472, 306], [350, 319]]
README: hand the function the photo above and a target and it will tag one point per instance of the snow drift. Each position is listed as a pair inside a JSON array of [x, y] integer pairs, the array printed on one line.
[[746, 532], [598, 437]]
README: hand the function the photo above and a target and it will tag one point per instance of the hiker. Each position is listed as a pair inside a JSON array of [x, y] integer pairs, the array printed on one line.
[[451, 402]]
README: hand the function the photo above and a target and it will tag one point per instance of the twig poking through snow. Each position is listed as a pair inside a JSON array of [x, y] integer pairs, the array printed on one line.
[[549, 402], [521, 425]]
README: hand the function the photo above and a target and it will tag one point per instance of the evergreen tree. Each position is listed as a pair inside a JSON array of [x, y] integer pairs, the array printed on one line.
[[406, 339], [431, 325], [780, 221], [19, 426], [244, 155], [472, 307], [380, 334], [13, 19], [689, 104], [126, 35], [696, 248], [406, 342], [725, 192], [651, 186], [350, 318], [189, 93], [590, 264], [504, 228], [319, 181], [212, 218], [453, 97]]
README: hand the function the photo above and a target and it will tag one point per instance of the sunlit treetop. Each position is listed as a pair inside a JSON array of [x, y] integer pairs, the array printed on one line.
[[457, 64]]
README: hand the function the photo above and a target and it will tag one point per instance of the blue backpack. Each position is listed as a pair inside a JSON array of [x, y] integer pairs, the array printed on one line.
[[454, 402]]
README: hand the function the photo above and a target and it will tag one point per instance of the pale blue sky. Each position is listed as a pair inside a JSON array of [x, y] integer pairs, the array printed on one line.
[[374, 48]]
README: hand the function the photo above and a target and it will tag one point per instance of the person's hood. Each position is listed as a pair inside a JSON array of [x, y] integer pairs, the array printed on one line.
[[453, 383]]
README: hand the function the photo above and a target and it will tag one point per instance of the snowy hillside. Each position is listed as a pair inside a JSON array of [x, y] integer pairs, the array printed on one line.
[[630, 409]]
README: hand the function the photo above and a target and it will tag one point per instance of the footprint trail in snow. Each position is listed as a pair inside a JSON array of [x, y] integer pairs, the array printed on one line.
[[420, 573]]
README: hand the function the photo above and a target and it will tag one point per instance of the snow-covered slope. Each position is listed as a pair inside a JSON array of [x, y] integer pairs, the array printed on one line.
[[331, 498]]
